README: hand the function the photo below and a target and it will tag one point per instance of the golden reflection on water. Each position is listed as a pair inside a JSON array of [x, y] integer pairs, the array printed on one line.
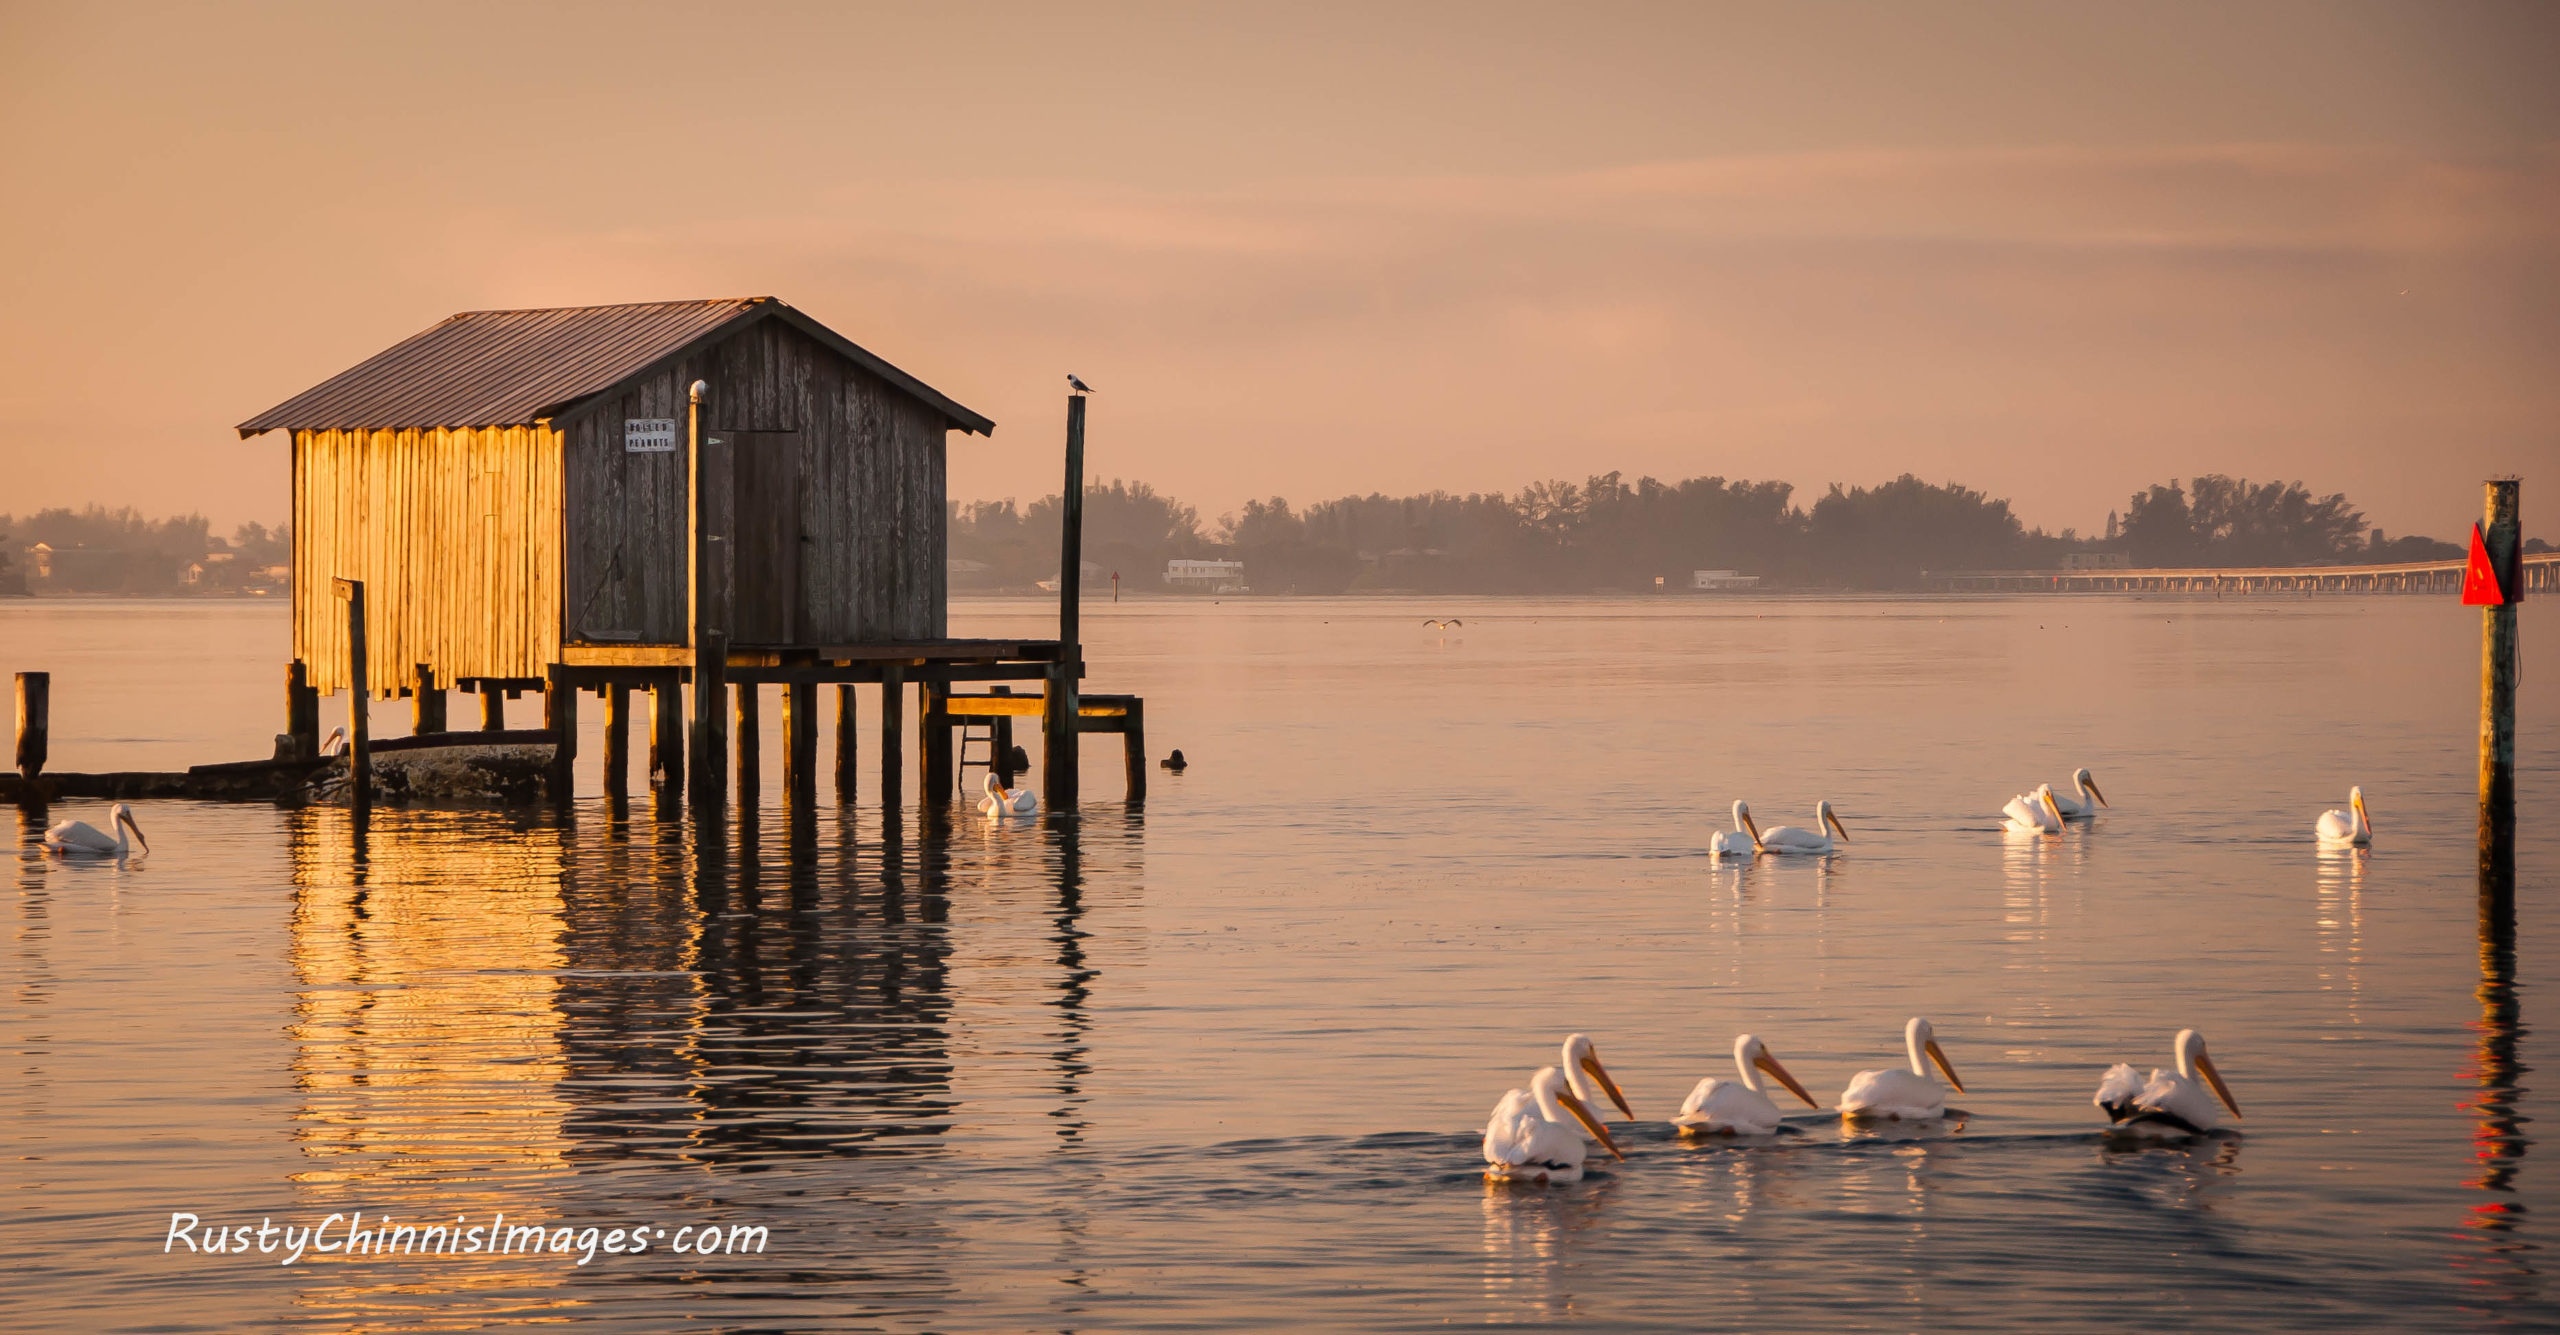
[[2339, 925], [426, 1040]]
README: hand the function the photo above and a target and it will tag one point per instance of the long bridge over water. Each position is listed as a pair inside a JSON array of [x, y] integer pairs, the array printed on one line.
[[2541, 573]]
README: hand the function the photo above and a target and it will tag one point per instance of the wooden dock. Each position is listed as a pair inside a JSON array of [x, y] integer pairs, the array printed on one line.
[[2540, 573]]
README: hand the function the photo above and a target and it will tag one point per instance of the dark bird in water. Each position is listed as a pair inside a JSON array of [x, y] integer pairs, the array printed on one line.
[[1451, 624], [1078, 386], [1175, 761]]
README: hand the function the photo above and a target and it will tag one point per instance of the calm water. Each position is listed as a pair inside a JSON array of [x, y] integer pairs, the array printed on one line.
[[1224, 1063]]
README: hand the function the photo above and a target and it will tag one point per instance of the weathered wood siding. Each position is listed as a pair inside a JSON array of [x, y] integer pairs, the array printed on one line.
[[456, 535], [836, 527]]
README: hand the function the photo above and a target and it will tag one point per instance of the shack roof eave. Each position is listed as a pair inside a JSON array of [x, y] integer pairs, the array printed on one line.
[[520, 367]]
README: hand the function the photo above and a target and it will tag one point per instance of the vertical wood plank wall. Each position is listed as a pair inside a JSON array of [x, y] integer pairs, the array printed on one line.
[[456, 534]]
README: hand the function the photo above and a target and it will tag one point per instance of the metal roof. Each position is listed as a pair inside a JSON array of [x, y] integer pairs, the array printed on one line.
[[508, 368]]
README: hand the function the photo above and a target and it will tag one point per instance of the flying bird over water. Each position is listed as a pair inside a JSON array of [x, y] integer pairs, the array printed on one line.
[[78, 838], [1450, 624], [1078, 386]]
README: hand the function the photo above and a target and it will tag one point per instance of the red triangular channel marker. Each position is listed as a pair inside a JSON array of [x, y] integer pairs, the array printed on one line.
[[2480, 579]]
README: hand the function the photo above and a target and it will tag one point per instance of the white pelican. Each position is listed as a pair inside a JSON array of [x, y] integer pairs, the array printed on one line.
[[1789, 839], [1001, 801], [2036, 811], [2171, 1103], [1528, 1138], [1897, 1093], [1742, 840], [2087, 803], [1589, 1079], [1738, 1108], [2350, 827], [78, 838], [335, 743]]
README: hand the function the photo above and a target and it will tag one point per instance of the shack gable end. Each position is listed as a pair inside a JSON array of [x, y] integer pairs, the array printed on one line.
[[824, 487]]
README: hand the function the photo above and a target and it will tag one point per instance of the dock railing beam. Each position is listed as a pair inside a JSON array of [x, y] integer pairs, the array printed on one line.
[[2502, 535]]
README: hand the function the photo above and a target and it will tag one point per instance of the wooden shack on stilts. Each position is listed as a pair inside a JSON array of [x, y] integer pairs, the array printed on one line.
[[645, 501]]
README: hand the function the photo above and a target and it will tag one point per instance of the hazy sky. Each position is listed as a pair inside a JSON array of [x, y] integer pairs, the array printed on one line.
[[2053, 251]]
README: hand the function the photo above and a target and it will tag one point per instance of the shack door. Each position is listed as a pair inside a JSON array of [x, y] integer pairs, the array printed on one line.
[[768, 536]]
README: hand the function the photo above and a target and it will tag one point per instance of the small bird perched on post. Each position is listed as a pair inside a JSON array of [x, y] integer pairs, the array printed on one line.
[[1078, 386]]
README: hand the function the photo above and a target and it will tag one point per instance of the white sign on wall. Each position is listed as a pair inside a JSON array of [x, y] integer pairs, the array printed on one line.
[[648, 435]]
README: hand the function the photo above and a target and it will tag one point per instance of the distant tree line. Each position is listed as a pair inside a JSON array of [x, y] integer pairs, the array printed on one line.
[[1609, 534], [98, 550]]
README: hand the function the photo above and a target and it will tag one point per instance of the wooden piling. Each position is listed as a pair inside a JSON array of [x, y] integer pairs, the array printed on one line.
[[749, 741], [1000, 740], [848, 748], [708, 785], [35, 722], [493, 708], [1133, 749], [301, 712], [359, 698], [666, 736], [800, 745], [560, 719], [933, 745], [893, 714], [426, 702], [2502, 535], [617, 740], [1058, 717]]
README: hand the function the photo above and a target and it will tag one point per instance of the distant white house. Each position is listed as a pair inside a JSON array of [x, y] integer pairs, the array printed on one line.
[[1210, 576], [1720, 580]]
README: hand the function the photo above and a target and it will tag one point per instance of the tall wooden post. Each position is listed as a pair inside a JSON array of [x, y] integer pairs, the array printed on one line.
[[426, 702], [301, 711], [493, 707], [893, 759], [359, 698], [560, 719], [617, 740], [848, 745], [933, 746], [666, 735], [709, 783], [800, 744], [35, 722], [1058, 711], [749, 742], [2502, 534]]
